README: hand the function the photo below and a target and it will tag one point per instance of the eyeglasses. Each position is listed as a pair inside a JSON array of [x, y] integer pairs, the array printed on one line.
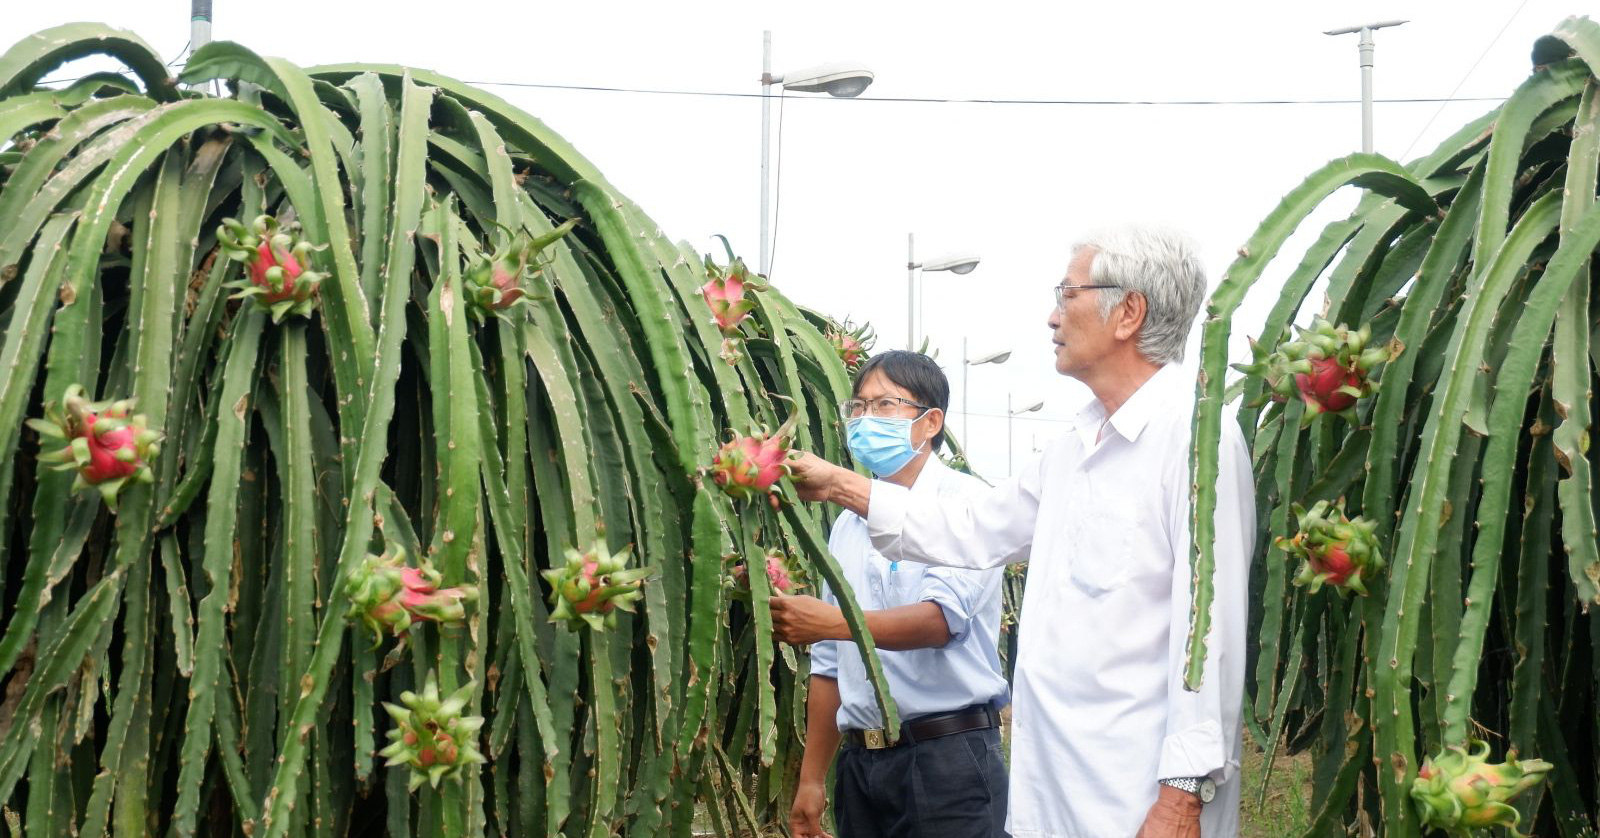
[[884, 406], [1062, 289]]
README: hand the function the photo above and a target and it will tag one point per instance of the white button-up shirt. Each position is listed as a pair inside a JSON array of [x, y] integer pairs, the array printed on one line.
[[1102, 515], [964, 671]]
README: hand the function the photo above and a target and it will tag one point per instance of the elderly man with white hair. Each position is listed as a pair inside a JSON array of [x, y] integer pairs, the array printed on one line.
[[1106, 741]]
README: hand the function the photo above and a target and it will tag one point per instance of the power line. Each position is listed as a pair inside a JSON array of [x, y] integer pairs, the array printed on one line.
[[1470, 71], [988, 101]]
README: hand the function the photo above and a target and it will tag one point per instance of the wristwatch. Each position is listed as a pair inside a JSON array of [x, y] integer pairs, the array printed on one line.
[[1202, 787]]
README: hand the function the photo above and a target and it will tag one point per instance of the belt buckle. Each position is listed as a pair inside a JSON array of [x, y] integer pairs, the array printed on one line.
[[873, 739]]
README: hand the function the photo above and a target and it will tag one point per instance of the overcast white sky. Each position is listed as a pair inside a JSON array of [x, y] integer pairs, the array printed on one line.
[[1013, 183]]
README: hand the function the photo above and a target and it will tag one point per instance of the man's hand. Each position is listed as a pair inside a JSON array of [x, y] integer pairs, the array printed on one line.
[[812, 476], [805, 619], [1175, 814], [805, 816]]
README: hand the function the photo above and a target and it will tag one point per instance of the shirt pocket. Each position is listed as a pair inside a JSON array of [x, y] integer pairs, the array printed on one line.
[[902, 586], [1104, 559]]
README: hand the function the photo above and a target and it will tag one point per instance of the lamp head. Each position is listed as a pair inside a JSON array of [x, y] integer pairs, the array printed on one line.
[[962, 264], [844, 80], [992, 358]]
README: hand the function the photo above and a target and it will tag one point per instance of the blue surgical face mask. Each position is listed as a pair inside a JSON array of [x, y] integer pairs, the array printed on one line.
[[882, 444]]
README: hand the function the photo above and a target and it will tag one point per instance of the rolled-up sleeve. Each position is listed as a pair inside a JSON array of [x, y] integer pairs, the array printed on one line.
[[825, 653], [960, 594], [985, 530], [1202, 726]]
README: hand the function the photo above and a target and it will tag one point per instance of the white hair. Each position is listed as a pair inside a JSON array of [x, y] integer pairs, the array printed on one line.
[[1162, 264]]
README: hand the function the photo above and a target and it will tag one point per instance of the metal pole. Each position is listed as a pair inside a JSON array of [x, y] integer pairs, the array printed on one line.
[[966, 435], [766, 143], [199, 24], [1366, 89], [911, 292]]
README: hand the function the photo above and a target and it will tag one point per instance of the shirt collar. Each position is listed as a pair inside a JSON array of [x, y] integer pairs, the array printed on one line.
[[1135, 414]]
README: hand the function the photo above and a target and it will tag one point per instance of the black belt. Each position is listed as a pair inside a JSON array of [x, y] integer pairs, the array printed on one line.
[[933, 726]]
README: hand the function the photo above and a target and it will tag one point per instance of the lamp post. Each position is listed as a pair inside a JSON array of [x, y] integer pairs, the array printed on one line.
[[966, 364], [843, 80], [1366, 47], [1011, 415], [959, 265]]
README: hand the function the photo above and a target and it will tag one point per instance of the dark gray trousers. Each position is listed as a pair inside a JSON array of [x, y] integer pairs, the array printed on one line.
[[949, 787]]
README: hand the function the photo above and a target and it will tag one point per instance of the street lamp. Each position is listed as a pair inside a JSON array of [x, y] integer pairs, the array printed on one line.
[[843, 80], [1366, 47], [1010, 416], [959, 265], [966, 364]]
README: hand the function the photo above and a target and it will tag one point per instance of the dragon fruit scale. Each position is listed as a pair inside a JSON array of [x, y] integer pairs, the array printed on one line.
[[1333, 549], [494, 283], [278, 275], [591, 586], [104, 442], [431, 735], [749, 467], [388, 595], [1461, 792], [852, 344]]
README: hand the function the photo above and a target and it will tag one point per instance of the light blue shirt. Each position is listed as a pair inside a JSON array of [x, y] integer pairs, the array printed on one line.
[[964, 671]]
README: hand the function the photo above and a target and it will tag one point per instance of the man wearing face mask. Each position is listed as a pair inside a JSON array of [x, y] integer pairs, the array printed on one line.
[[936, 630]]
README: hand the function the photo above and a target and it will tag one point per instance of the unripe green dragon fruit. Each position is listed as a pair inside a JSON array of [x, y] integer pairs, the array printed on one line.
[[104, 442], [495, 283], [1461, 792], [388, 595], [1335, 550], [431, 735], [278, 275], [591, 586], [749, 467]]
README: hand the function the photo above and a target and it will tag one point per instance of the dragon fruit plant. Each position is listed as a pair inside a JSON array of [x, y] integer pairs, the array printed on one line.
[[104, 442], [497, 282], [431, 735], [1461, 792], [591, 586], [1333, 549], [387, 595], [750, 467], [278, 275]]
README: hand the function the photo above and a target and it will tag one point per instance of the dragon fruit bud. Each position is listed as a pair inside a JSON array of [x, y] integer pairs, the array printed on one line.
[[278, 275], [1461, 792], [103, 442], [1274, 369], [851, 344], [388, 595], [430, 734], [1333, 549], [725, 291], [750, 467], [494, 283], [591, 586]]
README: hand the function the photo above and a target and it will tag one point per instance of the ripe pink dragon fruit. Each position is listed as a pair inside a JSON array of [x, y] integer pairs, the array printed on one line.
[[1329, 368], [277, 266], [1334, 550], [101, 441], [782, 576], [851, 344], [1461, 792], [591, 586], [725, 293], [749, 467], [431, 735], [493, 283], [388, 595]]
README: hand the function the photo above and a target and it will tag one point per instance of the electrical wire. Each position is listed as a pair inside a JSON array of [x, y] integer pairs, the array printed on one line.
[[1470, 70], [777, 189]]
